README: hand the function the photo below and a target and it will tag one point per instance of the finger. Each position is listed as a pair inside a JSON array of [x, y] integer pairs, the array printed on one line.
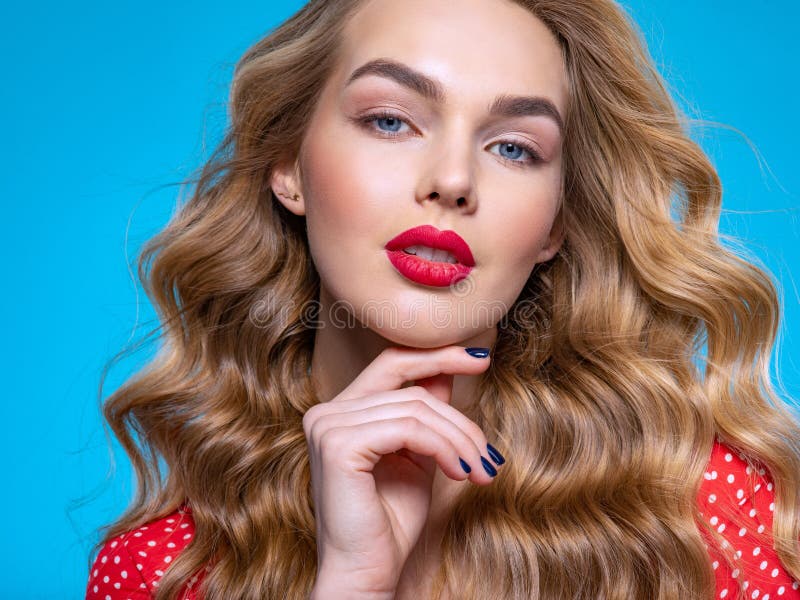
[[416, 392], [440, 386], [397, 365], [466, 447], [359, 447]]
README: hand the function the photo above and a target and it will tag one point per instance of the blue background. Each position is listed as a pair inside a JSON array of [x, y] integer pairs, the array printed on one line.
[[107, 106]]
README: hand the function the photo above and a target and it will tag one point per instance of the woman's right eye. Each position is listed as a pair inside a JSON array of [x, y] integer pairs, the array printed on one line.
[[385, 122]]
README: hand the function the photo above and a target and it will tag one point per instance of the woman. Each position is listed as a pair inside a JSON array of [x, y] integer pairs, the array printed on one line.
[[403, 181]]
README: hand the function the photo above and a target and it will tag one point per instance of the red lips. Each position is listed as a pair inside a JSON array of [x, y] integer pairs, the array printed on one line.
[[427, 272], [428, 235]]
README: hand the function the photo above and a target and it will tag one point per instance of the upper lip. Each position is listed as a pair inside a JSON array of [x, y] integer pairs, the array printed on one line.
[[428, 235]]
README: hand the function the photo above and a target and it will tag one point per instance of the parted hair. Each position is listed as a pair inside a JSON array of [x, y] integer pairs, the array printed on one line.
[[645, 338]]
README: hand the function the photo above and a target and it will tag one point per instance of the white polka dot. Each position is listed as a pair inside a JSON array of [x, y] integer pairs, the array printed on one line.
[[745, 585], [754, 594], [752, 512], [171, 545], [760, 529], [715, 564], [765, 597], [117, 584], [168, 529], [771, 506], [756, 551], [742, 531], [170, 520], [748, 470], [737, 554], [763, 565], [139, 567], [142, 553], [707, 475], [95, 573], [159, 572], [104, 559], [795, 585], [167, 559], [108, 597], [774, 572], [713, 474], [187, 536], [758, 487], [94, 589], [781, 590], [184, 526], [731, 478], [151, 543], [714, 520], [723, 593], [769, 487], [124, 574], [728, 457], [735, 573], [740, 494], [137, 534], [712, 498], [116, 560], [114, 544], [721, 528], [105, 579]]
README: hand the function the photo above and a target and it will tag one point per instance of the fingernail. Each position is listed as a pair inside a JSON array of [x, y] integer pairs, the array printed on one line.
[[478, 352], [495, 455], [464, 465], [488, 467]]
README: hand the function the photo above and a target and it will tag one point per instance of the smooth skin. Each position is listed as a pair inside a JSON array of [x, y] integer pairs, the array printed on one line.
[[398, 379], [371, 504]]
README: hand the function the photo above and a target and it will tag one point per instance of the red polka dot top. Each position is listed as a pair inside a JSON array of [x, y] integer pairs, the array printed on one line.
[[735, 499]]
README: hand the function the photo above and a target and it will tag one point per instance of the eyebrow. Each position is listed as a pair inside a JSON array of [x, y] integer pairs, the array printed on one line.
[[504, 105]]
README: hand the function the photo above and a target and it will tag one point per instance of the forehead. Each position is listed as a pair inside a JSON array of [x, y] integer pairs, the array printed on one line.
[[475, 48]]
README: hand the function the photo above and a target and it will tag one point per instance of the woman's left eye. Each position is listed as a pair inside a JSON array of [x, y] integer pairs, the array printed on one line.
[[516, 149]]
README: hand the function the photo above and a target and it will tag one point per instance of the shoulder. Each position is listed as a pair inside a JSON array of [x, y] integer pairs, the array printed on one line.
[[134, 562], [737, 499]]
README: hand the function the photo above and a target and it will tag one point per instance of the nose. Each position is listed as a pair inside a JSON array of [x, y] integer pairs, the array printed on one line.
[[448, 178]]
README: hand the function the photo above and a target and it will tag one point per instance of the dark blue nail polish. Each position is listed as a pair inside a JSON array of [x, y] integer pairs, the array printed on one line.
[[495, 455], [478, 352], [488, 467], [464, 465]]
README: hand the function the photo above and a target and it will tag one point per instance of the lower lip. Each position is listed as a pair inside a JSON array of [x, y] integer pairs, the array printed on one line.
[[426, 272]]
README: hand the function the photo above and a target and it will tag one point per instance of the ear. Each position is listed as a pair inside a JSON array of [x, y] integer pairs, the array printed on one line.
[[285, 184], [554, 240]]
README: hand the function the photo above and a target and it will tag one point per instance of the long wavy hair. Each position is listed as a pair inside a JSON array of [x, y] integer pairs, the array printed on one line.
[[623, 358]]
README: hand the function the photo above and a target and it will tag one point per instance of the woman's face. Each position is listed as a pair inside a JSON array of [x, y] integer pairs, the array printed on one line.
[[397, 146]]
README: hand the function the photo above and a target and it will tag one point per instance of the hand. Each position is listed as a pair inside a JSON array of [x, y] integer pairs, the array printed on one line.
[[374, 449]]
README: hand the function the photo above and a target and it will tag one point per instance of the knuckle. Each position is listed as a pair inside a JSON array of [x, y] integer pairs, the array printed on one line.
[[418, 407], [474, 431], [410, 424], [330, 441]]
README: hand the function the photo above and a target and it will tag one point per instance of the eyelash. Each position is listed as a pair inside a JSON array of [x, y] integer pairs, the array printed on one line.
[[366, 121]]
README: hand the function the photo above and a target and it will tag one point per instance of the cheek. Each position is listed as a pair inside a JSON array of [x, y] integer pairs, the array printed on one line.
[[352, 184], [523, 215]]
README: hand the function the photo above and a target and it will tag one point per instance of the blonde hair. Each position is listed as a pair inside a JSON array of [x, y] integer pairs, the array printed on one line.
[[596, 388]]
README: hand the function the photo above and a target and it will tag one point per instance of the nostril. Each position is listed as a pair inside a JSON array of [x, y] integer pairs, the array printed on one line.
[[434, 195], [461, 201]]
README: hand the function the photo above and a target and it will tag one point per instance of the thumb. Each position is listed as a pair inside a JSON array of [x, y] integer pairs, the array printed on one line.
[[440, 385]]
